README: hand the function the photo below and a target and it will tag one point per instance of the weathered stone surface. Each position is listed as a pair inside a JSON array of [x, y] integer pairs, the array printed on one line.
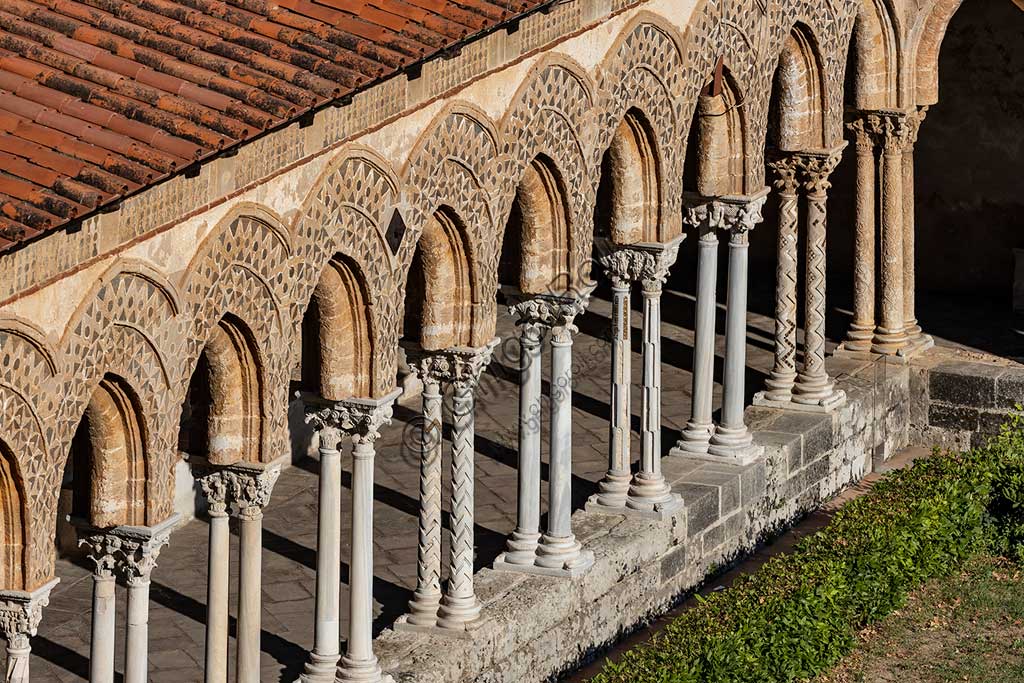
[[968, 384], [954, 417]]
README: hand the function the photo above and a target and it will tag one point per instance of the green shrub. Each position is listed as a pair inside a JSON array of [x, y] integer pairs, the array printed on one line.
[[799, 613]]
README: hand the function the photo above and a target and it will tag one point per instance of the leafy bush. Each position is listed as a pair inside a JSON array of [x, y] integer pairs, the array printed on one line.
[[799, 613]]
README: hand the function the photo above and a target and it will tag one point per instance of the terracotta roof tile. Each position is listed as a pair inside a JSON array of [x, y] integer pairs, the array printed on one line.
[[100, 98]]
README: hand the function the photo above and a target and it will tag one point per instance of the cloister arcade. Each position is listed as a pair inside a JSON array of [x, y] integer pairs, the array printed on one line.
[[395, 260]]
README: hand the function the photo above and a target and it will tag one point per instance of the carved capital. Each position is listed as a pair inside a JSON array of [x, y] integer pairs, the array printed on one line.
[[251, 488], [460, 366], [21, 612], [360, 418], [624, 266], [104, 549], [140, 548], [784, 170], [893, 130], [216, 485], [815, 168], [732, 213]]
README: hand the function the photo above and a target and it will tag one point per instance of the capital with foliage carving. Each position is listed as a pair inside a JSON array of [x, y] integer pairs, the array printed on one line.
[[737, 214], [21, 612], [360, 418], [104, 549], [815, 168], [140, 548], [784, 170], [251, 488], [460, 366]]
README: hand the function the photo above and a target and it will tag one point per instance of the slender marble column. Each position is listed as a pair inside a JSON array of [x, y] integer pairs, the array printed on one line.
[[427, 596], [558, 549], [732, 440], [779, 385], [522, 545], [459, 608], [140, 548], [813, 385], [20, 614], [696, 436], [890, 335], [613, 489], [363, 419], [104, 551], [914, 332], [323, 660], [215, 485], [649, 492], [862, 328], [252, 488]]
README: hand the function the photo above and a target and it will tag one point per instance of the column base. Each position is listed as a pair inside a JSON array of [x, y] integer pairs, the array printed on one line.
[[733, 445], [779, 387], [578, 567], [320, 669], [859, 338], [696, 439], [459, 613], [521, 549], [361, 671], [919, 343], [612, 490], [660, 510], [888, 342], [825, 405], [423, 610], [465, 631], [858, 352], [563, 555]]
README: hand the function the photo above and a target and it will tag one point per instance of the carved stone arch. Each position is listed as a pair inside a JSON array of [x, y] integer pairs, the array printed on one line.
[[926, 50], [27, 441], [797, 111], [243, 297], [553, 115], [354, 201], [453, 168], [643, 72], [874, 67], [13, 523]]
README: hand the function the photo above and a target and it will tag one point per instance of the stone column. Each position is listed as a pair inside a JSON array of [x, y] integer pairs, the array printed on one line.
[[559, 551], [862, 328], [522, 545], [362, 420], [917, 338], [216, 487], [649, 492], [20, 614], [427, 596], [696, 437], [814, 388], [890, 335], [732, 441], [251, 491], [104, 549], [779, 385], [459, 609], [621, 267], [323, 660], [140, 548]]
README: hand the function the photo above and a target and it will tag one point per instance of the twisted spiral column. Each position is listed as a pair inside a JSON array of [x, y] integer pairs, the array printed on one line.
[[779, 385], [427, 596]]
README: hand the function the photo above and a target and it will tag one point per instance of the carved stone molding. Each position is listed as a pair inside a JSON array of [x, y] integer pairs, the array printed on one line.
[[458, 365], [890, 129], [738, 214], [645, 262], [21, 612], [251, 487], [127, 552], [362, 418]]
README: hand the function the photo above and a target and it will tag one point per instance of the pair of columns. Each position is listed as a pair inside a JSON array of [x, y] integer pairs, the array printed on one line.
[[646, 492], [884, 141], [360, 420], [20, 614], [128, 553], [807, 174], [456, 608], [729, 441], [243, 489], [556, 552]]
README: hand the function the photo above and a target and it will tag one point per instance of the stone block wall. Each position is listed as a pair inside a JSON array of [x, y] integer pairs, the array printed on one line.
[[967, 401]]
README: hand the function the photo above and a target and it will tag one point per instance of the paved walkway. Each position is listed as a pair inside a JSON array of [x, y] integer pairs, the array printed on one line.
[[289, 540]]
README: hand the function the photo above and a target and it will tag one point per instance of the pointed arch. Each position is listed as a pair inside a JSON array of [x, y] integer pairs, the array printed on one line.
[[439, 296], [717, 147], [629, 202], [13, 523], [222, 417], [873, 63], [927, 51], [108, 458], [797, 109], [537, 243], [337, 336]]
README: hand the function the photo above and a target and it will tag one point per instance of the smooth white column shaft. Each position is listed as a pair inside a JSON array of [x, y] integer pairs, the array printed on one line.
[[735, 334], [327, 630], [560, 472], [101, 651], [217, 600], [136, 659], [249, 586]]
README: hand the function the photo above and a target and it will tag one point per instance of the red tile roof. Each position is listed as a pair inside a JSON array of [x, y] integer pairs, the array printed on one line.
[[99, 98]]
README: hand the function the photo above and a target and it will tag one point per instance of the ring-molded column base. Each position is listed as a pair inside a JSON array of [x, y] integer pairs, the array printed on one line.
[[458, 613], [361, 671], [320, 669], [521, 551], [825, 405], [613, 490], [733, 445], [888, 342], [695, 439], [779, 387]]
